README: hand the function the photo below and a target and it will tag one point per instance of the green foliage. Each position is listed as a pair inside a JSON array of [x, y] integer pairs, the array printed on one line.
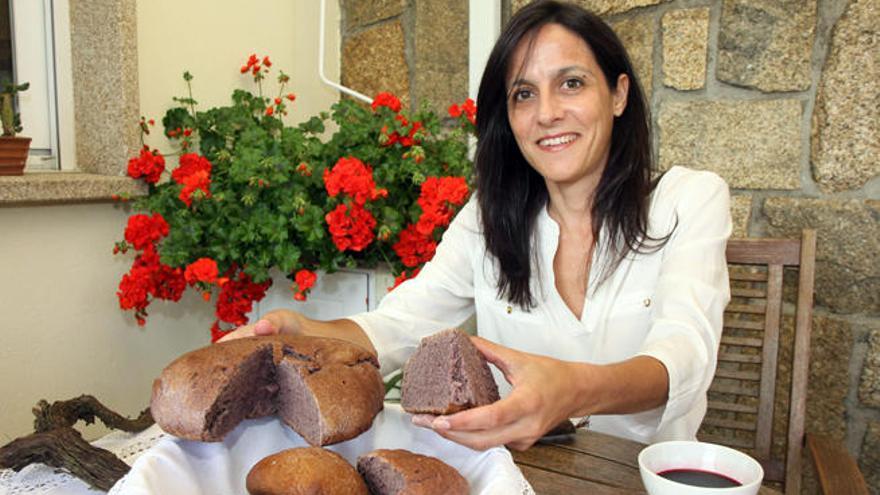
[[268, 202]]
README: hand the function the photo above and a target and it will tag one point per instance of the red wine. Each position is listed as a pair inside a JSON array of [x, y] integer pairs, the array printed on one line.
[[696, 477]]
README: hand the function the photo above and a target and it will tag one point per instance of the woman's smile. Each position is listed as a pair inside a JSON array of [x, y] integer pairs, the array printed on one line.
[[557, 142]]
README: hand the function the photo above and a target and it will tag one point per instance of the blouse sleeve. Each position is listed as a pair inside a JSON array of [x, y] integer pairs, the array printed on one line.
[[692, 289], [440, 297]]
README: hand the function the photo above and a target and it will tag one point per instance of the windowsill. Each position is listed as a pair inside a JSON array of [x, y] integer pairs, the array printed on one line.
[[39, 188]]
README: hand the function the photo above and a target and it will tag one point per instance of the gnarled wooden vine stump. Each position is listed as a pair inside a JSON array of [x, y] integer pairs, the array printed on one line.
[[57, 444], [86, 408]]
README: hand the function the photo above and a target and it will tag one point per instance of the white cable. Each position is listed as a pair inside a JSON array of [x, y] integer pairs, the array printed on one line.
[[324, 79]]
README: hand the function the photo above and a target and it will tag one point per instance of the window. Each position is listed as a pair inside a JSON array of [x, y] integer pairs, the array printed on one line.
[[35, 48]]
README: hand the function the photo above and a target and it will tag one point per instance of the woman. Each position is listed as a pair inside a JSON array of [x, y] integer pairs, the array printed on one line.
[[597, 291]]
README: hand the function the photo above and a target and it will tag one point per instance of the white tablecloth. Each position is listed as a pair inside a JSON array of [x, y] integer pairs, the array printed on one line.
[[166, 465]]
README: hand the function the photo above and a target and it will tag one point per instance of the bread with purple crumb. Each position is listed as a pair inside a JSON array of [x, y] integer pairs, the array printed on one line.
[[401, 472], [446, 374]]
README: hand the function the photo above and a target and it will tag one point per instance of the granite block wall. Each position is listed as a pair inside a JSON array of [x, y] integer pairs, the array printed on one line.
[[417, 50]]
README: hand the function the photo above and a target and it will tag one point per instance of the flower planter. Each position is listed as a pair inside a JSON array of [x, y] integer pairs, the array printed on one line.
[[337, 295], [13, 154]]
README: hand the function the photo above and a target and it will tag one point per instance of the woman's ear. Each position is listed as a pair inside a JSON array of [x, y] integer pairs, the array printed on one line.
[[621, 91]]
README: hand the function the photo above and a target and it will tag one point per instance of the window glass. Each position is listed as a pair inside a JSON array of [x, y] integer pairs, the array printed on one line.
[[5, 42]]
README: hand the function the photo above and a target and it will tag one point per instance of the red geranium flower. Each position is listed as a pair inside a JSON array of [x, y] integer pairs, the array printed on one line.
[[354, 178], [149, 165], [194, 174], [413, 247], [437, 194], [143, 230], [147, 279], [305, 280], [237, 298], [351, 229], [201, 270], [386, 100], [469, 108]]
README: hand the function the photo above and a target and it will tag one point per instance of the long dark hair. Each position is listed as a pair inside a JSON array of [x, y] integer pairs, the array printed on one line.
[[511, 193]]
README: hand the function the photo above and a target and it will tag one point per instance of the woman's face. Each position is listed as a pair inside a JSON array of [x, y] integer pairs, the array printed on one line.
[[560, 107]]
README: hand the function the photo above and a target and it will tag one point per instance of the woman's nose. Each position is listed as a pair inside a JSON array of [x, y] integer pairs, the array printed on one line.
[[549, 109]]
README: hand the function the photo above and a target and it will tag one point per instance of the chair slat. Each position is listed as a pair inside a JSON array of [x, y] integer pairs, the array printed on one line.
[[742, 341], [730, 423], [764, 437], [726, 388], [800, 366], [743, 324], [732, 406], [744, 292], [754, 376], [733, 357], [765, 251], [757, 309], [744, 276]]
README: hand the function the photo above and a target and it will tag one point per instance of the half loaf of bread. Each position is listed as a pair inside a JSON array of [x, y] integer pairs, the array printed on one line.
[[327, 390], [401, 472]]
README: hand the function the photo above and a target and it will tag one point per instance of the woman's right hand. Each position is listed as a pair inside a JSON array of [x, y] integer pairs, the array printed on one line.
[[273, 322]]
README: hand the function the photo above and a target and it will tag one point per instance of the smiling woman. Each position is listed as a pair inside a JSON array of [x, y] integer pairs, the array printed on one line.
[[567, 234]]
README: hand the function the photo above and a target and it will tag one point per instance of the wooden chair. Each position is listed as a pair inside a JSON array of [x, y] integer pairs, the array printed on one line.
[[743, 394]]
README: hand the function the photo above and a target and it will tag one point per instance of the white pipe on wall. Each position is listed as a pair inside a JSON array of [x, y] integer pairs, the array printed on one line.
[[324, 79]]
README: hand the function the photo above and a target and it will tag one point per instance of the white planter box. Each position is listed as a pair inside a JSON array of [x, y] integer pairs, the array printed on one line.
[[337, 295]]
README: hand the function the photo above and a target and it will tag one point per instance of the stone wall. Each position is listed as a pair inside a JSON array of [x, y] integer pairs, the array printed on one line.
[[779, 97], [416, 49]]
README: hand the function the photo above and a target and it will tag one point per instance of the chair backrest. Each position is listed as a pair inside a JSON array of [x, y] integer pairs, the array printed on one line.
[[743, 392]]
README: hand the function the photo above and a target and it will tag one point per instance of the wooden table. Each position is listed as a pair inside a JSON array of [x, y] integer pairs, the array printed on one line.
[[589, 462]]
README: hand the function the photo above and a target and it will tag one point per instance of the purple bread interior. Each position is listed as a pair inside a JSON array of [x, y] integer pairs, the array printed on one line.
[[297, 405], [249, 394], [381, 477], [447, 374]]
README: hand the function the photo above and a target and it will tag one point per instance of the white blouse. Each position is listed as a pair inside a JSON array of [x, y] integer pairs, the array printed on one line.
[[668, 304]]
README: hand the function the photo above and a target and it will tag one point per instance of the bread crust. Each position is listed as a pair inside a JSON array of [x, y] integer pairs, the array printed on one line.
[[305, 471]]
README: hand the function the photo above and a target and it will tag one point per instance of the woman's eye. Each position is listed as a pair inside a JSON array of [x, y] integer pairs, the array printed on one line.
[[573, 83], [521, 94]]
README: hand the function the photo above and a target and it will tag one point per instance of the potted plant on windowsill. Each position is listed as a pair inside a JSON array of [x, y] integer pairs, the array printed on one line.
[[13, 149]]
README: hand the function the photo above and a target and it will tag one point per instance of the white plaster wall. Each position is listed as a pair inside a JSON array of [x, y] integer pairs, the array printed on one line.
[[212, 39], [61, 330]]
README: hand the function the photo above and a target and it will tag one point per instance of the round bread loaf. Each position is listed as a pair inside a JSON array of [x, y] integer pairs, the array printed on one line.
[[446, 374], [305, 471], [401, 472], [327, 390]]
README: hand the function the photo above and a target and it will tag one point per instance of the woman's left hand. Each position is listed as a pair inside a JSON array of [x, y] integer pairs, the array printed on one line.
[[543, 395]]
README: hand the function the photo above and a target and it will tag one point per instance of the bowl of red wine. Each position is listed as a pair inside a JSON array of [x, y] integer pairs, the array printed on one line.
[[689, 468]]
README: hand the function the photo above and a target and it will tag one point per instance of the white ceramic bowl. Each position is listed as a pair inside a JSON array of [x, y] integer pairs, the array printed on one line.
[[665, 456]]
